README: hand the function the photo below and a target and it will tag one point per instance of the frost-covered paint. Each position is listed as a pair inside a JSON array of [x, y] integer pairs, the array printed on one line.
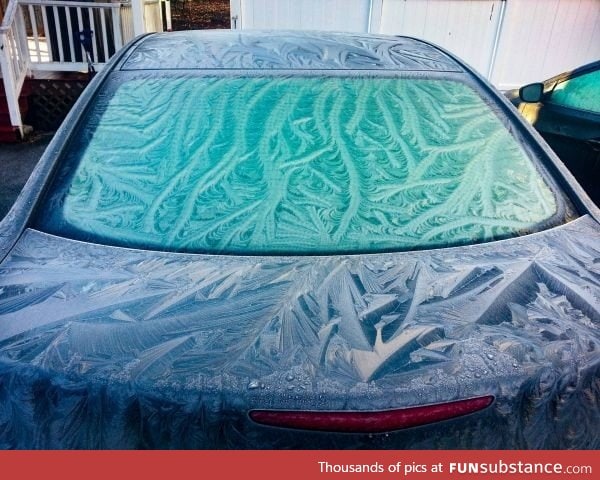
[[109, 347], [307, 51]]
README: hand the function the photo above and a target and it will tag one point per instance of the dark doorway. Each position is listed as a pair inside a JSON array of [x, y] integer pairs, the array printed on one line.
[[200, 14]]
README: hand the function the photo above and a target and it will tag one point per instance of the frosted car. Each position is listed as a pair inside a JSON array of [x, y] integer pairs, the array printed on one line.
[[298, 240], [565, 109]]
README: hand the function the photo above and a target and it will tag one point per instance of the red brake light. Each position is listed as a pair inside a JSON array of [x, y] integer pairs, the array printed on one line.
[[370, 422]]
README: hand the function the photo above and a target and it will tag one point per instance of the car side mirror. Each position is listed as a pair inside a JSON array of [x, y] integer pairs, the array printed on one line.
[[532, 93]]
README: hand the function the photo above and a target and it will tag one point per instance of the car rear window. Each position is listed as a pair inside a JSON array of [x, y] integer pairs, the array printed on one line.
[[294, 165]]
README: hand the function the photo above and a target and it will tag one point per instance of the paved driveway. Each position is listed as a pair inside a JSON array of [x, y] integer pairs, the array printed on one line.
[[16, 164]]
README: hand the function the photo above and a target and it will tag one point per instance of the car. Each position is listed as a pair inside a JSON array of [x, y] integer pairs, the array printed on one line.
[[566, 111], [298, 240]]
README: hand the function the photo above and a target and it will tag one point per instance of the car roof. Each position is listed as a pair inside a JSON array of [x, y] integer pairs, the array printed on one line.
[[285, 50], [583, 69]]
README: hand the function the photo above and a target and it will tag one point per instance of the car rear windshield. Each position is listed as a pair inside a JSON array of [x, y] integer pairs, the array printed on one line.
[[294, 165]]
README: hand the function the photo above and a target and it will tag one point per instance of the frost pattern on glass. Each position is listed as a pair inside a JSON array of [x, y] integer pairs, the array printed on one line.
[[105, 347], [581, 92], [286, 50], [298, 165]]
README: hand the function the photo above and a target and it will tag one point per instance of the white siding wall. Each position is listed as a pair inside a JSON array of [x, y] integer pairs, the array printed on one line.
[[541, 38], [538, 38], [466, 28], [342, 15]]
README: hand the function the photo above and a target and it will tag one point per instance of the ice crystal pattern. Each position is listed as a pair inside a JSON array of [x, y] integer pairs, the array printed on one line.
[[285, 51], [296, 165], [133, 348]]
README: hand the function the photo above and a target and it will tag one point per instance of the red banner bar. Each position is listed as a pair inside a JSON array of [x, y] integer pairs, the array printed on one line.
[[289, 465]]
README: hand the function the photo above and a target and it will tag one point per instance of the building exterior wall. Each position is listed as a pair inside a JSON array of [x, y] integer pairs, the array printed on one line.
[[511, 42], [541, 38], [344, 15], [466, 28]]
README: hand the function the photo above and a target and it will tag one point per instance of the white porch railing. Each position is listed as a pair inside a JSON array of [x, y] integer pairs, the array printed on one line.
[[45, 35], [53, 40], [14, 60]]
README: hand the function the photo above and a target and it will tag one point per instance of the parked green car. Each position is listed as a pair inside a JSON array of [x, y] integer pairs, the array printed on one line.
[[566, 111]]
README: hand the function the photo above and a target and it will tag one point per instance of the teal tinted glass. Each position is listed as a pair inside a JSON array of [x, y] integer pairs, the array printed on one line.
[[582, 92], [296, 165]]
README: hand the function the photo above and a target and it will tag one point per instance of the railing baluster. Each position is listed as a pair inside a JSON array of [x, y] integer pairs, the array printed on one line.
[[15, 57], [21, 41], [115, 13], [9, 78], [19, 61], [18, 57], [79, 29], [34, 30], [61, 54], [46, 35], [168, 15], [126, 22], [70, 31], [94, 35], [104, 34]]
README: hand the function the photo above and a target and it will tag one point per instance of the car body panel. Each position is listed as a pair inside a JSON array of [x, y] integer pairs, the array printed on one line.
[[518, 319]]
